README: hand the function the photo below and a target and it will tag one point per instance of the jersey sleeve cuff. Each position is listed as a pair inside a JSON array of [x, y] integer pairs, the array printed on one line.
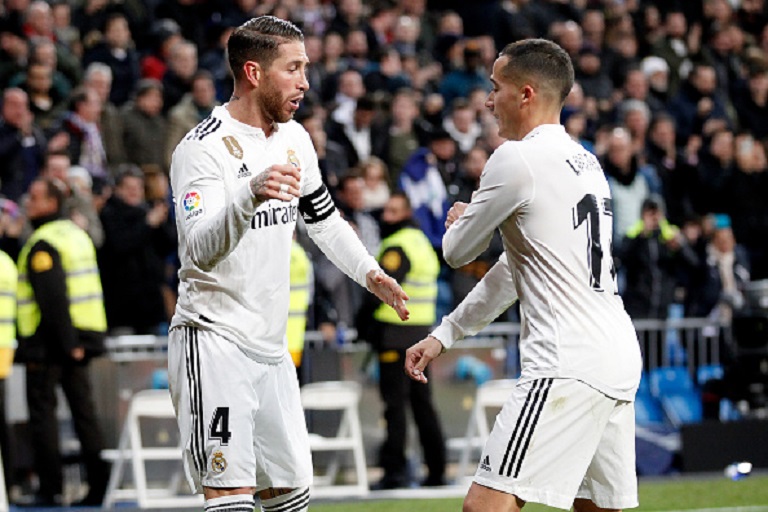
[[447, 333]]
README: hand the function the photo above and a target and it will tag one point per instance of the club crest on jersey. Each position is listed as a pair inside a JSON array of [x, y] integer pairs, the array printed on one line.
[[293, 159], [233, 146], [218, 462], [192, 204]]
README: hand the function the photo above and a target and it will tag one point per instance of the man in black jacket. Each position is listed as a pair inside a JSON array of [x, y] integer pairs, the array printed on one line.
[[61, 326]]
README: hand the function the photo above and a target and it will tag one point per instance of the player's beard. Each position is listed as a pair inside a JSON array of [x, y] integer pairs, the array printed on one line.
[[273, 105]]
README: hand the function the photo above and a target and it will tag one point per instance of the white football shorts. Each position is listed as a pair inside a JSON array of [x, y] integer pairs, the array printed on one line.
[[241, 421], [559, 439]]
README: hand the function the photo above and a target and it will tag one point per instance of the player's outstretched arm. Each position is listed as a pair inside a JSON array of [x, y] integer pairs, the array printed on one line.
[[387, 289], [420, 355]]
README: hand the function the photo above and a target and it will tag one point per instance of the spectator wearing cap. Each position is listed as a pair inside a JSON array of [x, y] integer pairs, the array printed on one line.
[[656, 71], [363, 136], [459, 82], [650, 259], [144, 127], [117, 51]]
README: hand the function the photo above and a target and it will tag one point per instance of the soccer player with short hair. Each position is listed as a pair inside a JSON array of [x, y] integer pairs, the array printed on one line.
[[240, 180], [565, 437]]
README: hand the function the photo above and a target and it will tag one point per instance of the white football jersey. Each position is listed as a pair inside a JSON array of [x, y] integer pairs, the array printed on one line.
[[235, 252], [551, 201]]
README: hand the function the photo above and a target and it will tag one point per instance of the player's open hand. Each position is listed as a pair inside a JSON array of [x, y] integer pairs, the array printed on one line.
[[278, 181], [387, 289], [419, 356], [456, 211]]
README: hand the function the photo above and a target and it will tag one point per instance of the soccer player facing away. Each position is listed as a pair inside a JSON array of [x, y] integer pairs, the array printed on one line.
[[565, 437], [240, 180]]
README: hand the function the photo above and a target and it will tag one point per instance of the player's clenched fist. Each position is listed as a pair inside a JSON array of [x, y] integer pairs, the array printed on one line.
[[456, 211], [278, 181]]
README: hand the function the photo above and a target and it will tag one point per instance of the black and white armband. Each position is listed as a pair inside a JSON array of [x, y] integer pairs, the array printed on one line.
[[316, 206]]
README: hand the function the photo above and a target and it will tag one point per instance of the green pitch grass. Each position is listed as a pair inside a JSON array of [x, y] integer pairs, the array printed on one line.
[[668, 495]]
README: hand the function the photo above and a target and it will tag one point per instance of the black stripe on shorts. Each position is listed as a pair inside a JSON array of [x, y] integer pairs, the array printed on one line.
[[523, 432]]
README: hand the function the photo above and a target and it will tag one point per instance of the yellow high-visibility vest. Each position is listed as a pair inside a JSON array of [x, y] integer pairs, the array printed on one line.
[[301, 274], [78, 259], [420, 283], [8, 284]]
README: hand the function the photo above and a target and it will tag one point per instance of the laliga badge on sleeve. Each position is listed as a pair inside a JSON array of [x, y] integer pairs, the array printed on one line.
[[192, 203]]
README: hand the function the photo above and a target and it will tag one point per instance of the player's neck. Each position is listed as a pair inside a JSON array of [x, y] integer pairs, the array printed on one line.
[[246, 109], [536, 120]]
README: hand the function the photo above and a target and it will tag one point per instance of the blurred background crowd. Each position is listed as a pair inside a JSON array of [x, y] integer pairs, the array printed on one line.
[[671, 96]]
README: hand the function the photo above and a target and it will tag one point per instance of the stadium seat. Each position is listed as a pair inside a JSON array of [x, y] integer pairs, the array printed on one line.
[[708, 372], [131, 450], [674, 388], [648, 410], [345, 397], [491, 394]]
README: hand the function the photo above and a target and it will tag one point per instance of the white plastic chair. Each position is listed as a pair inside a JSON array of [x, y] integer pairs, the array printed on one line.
[[344, 397], [491, 394], [145, 404], [3, 490]]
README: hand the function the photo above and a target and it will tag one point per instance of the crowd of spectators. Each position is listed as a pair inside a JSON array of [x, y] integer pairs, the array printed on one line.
[[671, 96]]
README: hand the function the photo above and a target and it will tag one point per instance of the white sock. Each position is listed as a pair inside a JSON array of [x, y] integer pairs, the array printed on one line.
[[231, 503], [295, 501]]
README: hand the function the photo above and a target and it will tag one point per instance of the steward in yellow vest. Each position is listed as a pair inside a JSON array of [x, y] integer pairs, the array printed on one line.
[[301, 287], [8, 280], [8, 283], [61, 325], [407, 255]]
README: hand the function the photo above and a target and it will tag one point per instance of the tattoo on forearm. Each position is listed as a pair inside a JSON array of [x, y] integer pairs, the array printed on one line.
[[259, 184]]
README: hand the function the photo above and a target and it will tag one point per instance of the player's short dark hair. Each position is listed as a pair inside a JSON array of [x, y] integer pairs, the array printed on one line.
[[259, 39], [542, 62]]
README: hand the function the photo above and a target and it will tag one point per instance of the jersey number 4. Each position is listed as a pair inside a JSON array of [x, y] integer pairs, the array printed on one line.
[[219, 428], [589, 211]]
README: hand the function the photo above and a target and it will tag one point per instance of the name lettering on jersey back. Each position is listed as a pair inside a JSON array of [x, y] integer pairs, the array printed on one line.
[[584, 162], [275, 215]]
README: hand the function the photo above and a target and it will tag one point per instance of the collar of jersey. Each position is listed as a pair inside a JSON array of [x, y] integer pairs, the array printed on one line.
[[222, 112], [543, 128]]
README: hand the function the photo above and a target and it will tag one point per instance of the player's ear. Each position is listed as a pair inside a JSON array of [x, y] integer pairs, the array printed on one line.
[[527, 93], [253, 72]]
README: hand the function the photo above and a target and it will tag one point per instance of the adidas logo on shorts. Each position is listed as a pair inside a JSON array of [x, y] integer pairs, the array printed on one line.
[[243, 172], [485, 465]]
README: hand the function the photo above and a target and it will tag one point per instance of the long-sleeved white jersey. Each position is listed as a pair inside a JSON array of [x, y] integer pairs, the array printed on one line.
[[551, 202], [235, 257]]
